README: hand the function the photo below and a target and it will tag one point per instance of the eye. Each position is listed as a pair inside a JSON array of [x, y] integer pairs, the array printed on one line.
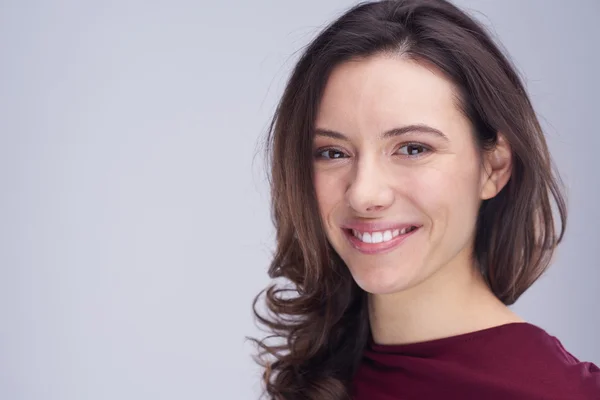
[[412, 149], [329, 154]]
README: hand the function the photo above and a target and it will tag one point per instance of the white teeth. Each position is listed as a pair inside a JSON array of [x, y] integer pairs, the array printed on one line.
[[367, 238], [379, 237]]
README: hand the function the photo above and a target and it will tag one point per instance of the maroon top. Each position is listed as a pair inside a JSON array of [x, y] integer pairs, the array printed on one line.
[[515, 361]]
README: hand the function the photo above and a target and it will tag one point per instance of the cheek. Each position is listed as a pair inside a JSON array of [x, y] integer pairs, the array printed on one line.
[[447, 195], [329, 190]]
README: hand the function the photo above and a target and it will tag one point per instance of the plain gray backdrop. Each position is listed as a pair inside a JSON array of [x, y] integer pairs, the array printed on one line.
[[134, 215]]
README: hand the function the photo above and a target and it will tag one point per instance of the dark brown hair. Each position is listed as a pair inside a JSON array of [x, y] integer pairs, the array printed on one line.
[[319, 320]]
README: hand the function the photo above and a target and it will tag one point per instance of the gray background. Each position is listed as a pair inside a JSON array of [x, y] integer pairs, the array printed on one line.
[[134, 221]]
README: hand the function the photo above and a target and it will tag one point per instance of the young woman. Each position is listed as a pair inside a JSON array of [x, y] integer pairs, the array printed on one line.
[[413, 198]]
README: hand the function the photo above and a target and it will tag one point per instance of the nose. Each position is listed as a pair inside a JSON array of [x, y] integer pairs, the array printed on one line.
[[369, 191]]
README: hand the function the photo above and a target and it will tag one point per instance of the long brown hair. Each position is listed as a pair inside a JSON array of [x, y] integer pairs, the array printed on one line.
[[318, 316]]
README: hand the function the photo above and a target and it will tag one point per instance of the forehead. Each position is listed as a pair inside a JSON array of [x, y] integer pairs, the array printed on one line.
[[383, 91]]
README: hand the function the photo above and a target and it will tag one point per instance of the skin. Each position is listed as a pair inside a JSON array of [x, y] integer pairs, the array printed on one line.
[[428, 286]]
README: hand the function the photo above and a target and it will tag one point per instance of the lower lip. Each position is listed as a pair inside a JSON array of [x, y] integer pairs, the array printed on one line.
[[377, 248]]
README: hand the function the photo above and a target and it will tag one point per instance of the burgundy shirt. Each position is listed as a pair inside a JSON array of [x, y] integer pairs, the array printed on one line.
[[516, 361]]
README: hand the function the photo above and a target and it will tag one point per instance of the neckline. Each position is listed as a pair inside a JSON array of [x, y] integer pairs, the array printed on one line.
[[449, 340]]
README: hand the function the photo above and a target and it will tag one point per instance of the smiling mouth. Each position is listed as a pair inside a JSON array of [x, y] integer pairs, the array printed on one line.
[[376, 242], [380, 236]]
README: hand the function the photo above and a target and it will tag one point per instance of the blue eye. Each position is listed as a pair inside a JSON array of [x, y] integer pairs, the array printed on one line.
[[330, 154], [413, 149]]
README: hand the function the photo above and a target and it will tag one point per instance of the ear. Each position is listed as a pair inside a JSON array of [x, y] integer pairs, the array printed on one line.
[[497, 168]]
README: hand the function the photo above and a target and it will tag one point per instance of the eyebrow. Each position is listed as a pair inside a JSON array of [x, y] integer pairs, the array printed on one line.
[[414, 128]]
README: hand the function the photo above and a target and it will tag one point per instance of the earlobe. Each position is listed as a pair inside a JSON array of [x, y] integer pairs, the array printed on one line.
[[497, 168]]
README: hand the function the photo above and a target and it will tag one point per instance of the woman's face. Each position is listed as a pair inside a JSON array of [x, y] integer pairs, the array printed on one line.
[[398, 176]]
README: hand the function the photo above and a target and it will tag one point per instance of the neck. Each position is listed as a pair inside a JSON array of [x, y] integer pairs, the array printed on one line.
[[453, 301]]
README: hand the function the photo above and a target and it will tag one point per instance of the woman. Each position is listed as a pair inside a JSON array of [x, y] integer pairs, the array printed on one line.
[[413, 199]]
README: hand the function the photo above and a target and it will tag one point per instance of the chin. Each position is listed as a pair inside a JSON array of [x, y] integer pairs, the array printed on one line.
[[382, 280]]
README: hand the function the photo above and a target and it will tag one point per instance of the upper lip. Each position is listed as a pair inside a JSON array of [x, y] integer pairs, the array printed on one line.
[[377, 226]]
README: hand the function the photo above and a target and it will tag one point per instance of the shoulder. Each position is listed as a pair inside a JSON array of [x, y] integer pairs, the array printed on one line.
[[540, 358]]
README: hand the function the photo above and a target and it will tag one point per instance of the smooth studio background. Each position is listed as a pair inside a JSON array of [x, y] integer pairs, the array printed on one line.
[[134, 219]]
